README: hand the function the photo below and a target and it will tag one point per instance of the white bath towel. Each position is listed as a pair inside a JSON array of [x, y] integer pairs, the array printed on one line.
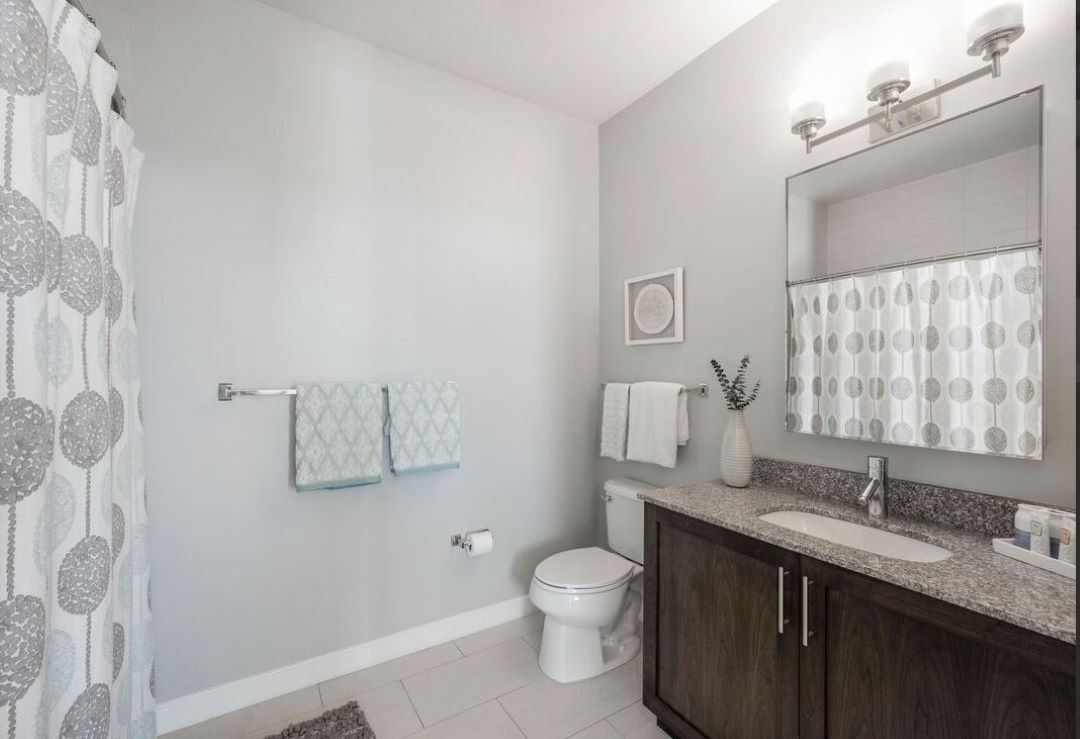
[[613, 426], [659, 423]]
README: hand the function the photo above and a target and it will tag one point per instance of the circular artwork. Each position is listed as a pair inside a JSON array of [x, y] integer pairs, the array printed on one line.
[[653, 309]]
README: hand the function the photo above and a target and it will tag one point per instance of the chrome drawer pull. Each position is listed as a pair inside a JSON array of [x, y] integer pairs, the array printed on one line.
[[780, 620], [806, 632]]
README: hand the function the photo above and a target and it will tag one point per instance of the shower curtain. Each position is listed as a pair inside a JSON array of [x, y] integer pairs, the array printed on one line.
[[946, 355], [76, 656]]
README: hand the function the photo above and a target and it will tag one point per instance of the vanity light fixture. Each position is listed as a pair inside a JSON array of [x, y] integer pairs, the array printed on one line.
[[989, 35]]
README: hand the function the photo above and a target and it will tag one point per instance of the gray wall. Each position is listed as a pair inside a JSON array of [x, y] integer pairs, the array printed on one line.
[[313, 208], [693, 173]]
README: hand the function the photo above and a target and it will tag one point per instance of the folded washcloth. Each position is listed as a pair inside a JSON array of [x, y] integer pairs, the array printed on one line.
[[425, 427], [613, 427], [659, 422], [338, 435]]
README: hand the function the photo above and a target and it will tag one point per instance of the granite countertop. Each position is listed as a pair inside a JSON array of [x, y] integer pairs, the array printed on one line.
[[974, 577]]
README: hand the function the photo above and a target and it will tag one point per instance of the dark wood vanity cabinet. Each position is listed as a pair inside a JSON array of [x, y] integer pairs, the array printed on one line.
[[724, 653], [883, 661], [716, 662]]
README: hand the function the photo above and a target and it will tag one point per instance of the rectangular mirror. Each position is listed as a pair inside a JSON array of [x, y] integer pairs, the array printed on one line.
[[914, 288]]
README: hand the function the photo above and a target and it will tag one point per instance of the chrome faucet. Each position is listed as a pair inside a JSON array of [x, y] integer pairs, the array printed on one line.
[[874, 497]]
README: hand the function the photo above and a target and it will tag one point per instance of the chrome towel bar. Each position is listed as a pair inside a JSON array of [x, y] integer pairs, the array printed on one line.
[[226, 391], [694, 391]]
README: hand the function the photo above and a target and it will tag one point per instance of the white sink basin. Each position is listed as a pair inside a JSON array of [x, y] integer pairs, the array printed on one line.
[[866, 538]]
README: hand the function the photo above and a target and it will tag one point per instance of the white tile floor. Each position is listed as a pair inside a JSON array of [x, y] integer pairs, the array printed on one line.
[[483, 686]]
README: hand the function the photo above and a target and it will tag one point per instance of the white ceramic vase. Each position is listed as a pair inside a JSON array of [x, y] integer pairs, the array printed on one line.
[[736, 458]]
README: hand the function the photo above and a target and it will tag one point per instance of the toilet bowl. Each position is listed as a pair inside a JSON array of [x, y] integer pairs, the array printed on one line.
[[591, 613], [591, 597]]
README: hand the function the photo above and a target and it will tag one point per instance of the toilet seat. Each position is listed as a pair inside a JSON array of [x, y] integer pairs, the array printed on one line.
[[586, 570], [581, 591]]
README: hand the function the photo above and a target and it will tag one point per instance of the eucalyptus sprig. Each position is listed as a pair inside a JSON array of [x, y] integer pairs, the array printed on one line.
[[735, 390]]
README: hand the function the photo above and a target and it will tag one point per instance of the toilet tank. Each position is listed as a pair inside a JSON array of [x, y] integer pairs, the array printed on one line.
[[626, 517]]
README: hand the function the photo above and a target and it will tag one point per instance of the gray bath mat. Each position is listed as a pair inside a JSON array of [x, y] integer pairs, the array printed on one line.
[[346, 722]]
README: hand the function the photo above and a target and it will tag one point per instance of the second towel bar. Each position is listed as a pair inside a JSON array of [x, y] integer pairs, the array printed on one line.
[[693, 391]]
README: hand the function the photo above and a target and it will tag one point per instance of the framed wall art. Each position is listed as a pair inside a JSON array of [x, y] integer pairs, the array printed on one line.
[[653, 308]]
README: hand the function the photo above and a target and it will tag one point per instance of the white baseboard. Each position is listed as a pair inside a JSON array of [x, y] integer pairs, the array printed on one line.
[[206, 704]]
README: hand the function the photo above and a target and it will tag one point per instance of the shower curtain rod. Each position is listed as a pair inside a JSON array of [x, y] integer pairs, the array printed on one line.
[[918, 262], [118, 100]]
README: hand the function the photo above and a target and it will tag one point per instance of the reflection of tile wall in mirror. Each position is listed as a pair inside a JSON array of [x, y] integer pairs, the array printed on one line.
[[983, 205]]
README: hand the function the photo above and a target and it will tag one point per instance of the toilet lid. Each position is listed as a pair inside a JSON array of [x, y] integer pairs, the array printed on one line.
[[590, 567]]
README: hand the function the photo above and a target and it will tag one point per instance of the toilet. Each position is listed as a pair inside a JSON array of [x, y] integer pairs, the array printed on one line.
[[591, 597]]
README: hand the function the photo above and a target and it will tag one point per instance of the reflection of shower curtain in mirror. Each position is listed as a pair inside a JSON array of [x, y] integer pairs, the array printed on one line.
[[945, 355], [76, 646]]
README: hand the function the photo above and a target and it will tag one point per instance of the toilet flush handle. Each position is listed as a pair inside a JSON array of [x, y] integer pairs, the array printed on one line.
[[605, 497]]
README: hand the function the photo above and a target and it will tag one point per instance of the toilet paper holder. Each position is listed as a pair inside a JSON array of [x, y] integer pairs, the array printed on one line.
[[459, 540]]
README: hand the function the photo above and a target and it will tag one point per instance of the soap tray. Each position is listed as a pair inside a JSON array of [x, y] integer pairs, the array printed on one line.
[[1006, 547]]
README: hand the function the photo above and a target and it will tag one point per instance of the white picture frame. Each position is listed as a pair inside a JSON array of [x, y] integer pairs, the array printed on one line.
[[636, 331]]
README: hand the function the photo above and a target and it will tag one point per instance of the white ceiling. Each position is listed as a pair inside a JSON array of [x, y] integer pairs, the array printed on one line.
[[587, 58]]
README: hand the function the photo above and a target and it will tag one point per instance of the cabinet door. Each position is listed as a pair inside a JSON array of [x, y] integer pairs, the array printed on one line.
[[882, 661], [720, 661]]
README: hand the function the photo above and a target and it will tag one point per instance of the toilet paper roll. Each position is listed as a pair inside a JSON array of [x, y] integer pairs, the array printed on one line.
[[479, 543]]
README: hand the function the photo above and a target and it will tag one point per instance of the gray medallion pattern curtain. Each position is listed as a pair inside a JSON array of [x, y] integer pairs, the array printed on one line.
[[945, 355], [76, 645]]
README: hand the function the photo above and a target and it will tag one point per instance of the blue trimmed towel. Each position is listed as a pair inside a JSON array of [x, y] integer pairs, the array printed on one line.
[[338, 435], [425, 426]]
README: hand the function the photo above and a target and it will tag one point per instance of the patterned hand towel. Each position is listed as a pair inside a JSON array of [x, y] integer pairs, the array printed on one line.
[[613, 425], [425, 426], [338, 435]]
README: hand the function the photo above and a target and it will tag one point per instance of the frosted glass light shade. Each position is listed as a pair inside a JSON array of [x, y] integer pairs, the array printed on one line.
[[993, 19], [888, 72], [809, 110]]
